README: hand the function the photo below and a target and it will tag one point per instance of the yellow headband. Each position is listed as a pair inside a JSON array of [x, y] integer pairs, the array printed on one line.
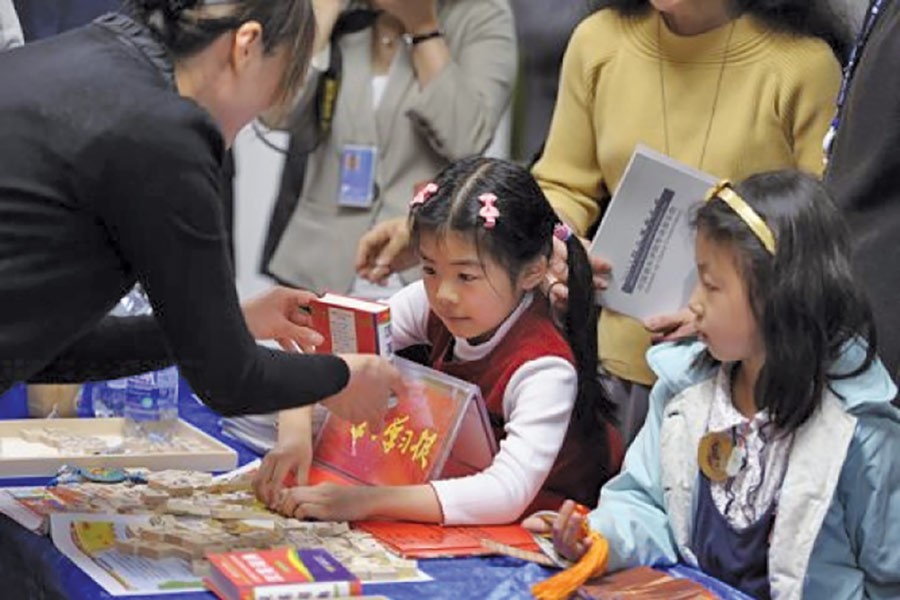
[[724, 192]]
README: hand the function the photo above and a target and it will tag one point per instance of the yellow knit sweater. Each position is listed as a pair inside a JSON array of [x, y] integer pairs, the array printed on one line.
[[774, 106]]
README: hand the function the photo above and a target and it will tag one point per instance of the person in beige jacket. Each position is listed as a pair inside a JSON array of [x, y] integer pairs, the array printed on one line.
[[425, 85]]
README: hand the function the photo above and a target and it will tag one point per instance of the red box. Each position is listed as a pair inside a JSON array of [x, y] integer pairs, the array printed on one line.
[[351, 325]]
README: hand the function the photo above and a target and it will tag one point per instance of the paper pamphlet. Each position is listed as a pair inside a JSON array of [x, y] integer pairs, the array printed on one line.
[[89, 540], [646, 236], [31, 507]]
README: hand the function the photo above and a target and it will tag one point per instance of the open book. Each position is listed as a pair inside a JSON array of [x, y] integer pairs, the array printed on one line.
[[646, 235]]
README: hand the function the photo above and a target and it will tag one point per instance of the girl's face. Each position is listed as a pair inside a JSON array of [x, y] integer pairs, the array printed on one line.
[[721, 304], [471, 294]]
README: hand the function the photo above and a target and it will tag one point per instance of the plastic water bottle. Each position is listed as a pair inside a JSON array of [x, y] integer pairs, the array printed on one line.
[[106, 398], [149, 401], [151, 405]]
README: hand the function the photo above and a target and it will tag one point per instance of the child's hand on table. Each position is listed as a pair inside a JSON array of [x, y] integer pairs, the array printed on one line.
[[285, 466], [568, 529], [328, 502]]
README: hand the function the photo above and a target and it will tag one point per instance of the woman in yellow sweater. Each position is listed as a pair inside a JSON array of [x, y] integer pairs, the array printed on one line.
[[729, 87]]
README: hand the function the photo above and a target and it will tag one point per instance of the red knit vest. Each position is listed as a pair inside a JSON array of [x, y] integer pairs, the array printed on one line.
[[578, 472]]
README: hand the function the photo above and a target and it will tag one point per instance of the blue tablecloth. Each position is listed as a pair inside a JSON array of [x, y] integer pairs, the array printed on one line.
[[31, 567]]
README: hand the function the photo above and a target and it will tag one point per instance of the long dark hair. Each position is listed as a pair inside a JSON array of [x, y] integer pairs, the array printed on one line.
[[186, 27], [522, 234], [804, 298], [816, 18]]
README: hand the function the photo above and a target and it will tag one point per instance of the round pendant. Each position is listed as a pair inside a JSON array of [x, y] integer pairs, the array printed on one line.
[[104, 474], [714, 454]]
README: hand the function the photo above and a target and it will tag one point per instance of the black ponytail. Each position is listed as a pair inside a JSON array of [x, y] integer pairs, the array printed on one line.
[[593, 405]]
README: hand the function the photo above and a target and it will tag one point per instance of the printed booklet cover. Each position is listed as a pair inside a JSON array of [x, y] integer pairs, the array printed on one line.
[[646, 235], [439, 429]]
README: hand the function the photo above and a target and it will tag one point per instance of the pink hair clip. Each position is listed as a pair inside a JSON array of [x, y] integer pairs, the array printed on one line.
[[561, 231], [424, 194], [488, 211]]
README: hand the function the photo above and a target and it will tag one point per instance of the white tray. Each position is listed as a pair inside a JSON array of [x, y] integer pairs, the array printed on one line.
[[21, 458]]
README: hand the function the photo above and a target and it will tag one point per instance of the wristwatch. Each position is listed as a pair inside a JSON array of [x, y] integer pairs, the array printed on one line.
[[413, 40]]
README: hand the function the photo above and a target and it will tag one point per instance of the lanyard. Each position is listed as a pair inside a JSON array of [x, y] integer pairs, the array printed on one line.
[[850, 68]]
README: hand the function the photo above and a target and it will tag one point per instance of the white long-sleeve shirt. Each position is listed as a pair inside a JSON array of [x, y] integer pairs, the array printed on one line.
[[537, 405]]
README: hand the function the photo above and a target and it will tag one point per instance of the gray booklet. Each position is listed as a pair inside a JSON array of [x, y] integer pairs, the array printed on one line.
[[646, 235]]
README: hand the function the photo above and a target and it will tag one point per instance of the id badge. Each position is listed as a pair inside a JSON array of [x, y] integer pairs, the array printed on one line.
[[357, 187]]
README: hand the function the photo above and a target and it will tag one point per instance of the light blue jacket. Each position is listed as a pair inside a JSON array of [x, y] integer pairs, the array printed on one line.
[[837, 531]]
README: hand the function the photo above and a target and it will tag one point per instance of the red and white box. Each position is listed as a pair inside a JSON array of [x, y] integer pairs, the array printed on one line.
[[351, 325]]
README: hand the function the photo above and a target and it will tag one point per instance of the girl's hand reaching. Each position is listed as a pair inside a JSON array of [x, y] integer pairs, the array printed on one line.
[[286, 465], [569, 530]]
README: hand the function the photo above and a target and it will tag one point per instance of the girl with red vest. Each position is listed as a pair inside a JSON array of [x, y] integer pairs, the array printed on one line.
[[485, 233]]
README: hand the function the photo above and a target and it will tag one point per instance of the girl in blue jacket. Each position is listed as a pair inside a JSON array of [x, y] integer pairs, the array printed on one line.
[[771, 455]]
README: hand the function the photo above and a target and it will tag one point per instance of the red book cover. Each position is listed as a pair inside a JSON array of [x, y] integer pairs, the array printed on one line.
[[643, 583], [351, 325], [417, 540], [438, 429], [280, 574]]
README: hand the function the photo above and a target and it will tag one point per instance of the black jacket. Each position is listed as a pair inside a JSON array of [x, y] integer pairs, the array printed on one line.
[[107, 177]]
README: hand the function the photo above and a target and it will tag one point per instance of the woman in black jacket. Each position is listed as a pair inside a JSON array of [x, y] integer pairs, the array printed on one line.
[[111, 142]]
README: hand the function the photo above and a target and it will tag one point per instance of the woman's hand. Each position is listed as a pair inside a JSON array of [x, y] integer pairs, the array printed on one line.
[[557, 282], [417, 16], [674, 326], [278, 315], [373, 379], [385, 249], [329, 502], [277, 469], [569, 530]]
